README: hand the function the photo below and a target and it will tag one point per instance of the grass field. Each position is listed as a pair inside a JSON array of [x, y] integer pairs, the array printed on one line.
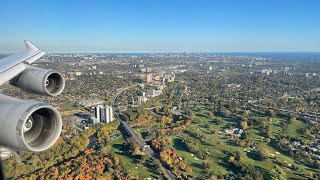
[[295, 129], [219, 153], [130, 162]]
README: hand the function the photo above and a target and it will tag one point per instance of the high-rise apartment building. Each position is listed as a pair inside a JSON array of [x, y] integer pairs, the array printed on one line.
[[103, 114]]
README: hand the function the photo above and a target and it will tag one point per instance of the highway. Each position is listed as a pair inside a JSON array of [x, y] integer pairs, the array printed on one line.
[[139, 140]]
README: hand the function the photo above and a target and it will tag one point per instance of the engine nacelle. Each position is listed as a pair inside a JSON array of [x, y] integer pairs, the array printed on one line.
[[40, 81], [28, 125]]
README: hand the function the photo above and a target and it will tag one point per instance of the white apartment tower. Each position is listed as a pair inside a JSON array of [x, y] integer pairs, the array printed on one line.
[[110, 117], [97, 112], [104, 114]]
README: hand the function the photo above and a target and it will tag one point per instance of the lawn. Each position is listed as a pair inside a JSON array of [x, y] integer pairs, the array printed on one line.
[[213, 159], [222, 151], [130, 162], [67, 107], [296, 128]]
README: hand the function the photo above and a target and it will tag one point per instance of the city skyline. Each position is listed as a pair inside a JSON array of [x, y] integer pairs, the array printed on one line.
[[161, 26]]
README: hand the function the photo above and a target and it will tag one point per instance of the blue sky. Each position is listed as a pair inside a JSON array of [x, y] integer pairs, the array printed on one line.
[[161, 25]]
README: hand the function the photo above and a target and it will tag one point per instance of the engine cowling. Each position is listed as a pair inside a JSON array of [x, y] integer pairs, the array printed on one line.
[[40, 81], [28, 125]]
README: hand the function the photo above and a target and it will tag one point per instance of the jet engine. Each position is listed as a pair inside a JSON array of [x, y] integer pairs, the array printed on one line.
[[28, 125], [40, 81]]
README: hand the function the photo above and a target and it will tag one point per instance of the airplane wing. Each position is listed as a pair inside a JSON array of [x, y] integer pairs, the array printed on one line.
[[12, 65], [26, 124]]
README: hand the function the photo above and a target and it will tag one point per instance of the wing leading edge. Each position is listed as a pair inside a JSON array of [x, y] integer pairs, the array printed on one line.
[[32, 54], [12, 65]]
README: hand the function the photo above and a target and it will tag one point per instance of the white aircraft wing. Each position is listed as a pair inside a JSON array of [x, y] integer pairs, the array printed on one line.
[[12, 65], [29, 125]]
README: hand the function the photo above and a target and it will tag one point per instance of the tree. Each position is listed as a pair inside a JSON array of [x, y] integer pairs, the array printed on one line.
[[238, 156], [143, 159], [188, 169], [116, 161], [209, 114], [277, 173], [137, 150], [270, 113], [244, 124], [226, 113], [212, 177], [264, 124], [165, 120], [267, 133], [247, 113], [206, 165], [261, 154], [290, 120], [231, 159], [142, 121], [310, 174], [307, 133], [241, 143]]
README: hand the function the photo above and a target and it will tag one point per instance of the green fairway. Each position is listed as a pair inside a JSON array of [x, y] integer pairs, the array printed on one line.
[[130, 163], [295, 129], [219, 152]]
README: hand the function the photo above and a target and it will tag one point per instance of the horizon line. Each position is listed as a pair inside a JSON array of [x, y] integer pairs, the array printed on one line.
[[168, 52]]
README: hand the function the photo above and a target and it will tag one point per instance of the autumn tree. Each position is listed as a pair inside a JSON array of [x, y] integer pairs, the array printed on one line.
[[277, 173], [243, 124]]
